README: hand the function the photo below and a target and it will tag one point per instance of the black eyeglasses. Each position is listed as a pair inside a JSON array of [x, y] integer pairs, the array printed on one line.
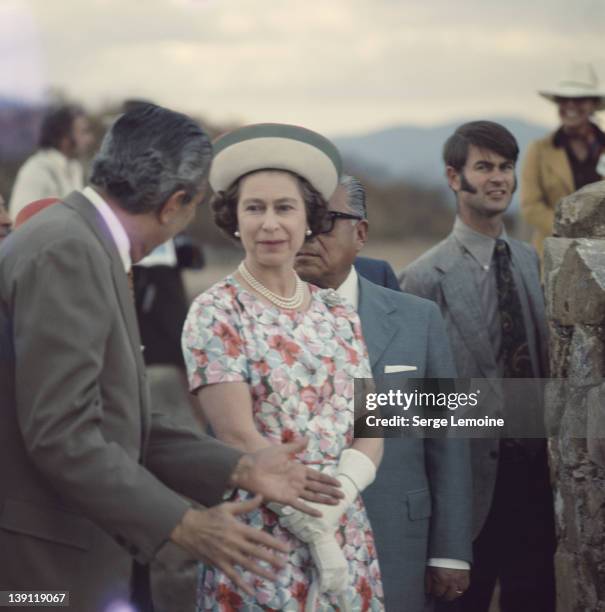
[[330, 219]]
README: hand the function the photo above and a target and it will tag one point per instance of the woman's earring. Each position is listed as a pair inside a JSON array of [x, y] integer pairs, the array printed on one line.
[[308, 232], [236, 234]]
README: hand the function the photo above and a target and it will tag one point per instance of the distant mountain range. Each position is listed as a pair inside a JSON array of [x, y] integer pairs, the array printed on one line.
[[19, 127], [414, 153]]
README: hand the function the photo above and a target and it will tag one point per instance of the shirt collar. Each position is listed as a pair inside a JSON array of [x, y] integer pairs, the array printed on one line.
[[560, 138], [349, 289], [116, 229], [480, 246]]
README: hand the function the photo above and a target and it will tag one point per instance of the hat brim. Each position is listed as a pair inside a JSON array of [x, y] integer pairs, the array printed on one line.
[[272, 146], [553, 94]]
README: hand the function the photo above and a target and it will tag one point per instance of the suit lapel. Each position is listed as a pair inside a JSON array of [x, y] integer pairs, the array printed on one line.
[[98, 226], [532, 302], [460, 293], [375, 315]]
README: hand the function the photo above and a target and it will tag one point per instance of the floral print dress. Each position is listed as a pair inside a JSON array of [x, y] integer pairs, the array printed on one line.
[[300, 367]]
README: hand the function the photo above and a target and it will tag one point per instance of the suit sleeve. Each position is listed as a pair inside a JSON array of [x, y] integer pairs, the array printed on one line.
[[62, 322], [448, 465], [193, 464], [535, 209]]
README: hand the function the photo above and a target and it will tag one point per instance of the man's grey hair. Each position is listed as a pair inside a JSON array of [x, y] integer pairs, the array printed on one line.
[[356, 195], [147, 155]]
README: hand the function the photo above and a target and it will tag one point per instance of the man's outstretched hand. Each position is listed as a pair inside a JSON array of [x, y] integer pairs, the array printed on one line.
[[216, 537], [274, 474]]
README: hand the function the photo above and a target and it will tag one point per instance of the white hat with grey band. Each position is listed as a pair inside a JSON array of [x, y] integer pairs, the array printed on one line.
[[276, 146]]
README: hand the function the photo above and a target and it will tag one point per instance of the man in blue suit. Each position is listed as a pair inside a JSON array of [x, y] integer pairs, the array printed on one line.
[[420, 503]]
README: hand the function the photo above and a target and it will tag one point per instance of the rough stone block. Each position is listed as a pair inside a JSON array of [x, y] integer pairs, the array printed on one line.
[[578, 294], [554, 252], [582, 213], [573, 451], [595, 425], [586, 358], [573, 420], [560, 345], [567, 591], [555, 399]]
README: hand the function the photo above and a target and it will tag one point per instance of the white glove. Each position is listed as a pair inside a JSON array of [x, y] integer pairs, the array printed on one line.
[[331, 564], [355, 472]]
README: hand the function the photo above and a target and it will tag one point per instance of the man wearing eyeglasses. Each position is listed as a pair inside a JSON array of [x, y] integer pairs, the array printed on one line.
[[419, 505], [347, 210]]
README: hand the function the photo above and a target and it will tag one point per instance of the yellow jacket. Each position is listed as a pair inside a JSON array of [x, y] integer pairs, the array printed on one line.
[[546, 178]]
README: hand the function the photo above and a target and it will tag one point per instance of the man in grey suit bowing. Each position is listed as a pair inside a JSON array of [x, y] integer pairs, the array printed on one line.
[[419, 505], [488, 288], [89, 477]]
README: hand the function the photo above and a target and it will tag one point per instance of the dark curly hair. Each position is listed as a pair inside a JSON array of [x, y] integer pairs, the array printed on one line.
[[58, 122], [483, 135], [224, 205]]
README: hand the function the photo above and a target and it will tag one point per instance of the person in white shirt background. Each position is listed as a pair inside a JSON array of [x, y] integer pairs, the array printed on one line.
[[55, 169]]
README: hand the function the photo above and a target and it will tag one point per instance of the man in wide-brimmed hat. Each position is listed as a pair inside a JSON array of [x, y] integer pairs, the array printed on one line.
[[569, 158]]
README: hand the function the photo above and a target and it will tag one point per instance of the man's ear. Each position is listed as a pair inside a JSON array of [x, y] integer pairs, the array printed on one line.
[[453, 178], [361, 234], [172, 206]]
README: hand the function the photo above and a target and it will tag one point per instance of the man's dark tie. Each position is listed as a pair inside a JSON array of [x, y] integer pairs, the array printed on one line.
[[515, 358], [514, 350]]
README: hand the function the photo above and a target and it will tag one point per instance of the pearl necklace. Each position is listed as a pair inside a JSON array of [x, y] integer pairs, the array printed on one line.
[[290, 303]]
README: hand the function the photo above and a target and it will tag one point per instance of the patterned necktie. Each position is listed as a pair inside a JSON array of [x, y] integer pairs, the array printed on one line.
[[514, 350]]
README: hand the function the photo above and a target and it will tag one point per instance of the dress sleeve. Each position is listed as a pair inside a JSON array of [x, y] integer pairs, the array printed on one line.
[[212, 340]]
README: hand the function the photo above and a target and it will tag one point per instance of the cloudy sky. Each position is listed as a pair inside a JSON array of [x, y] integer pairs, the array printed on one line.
[[338, 66]]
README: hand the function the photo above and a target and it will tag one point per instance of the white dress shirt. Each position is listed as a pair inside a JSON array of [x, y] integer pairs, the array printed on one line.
[[349, 290]]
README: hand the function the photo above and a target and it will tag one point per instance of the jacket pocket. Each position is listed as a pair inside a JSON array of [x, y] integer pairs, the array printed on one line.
[[46, 523], [419, 504]]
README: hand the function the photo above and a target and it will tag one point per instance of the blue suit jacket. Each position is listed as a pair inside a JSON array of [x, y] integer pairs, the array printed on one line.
[[378, 271], [420, 503]]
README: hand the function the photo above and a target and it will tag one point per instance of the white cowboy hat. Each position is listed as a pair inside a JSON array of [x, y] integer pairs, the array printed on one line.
[[579, 81], [275, 146]]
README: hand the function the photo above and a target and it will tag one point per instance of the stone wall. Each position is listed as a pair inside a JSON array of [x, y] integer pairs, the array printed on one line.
[[574, 276]]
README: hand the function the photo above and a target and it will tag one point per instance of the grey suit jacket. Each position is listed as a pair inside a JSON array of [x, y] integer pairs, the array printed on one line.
[[85, 468], [419, 505], [441, 275]]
